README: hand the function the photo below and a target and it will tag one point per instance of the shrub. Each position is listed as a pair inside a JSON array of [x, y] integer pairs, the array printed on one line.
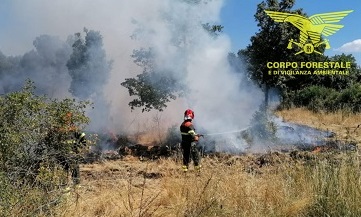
[[318, 98], [30, 145]]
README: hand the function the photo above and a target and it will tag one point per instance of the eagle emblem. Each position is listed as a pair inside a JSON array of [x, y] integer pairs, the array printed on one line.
[[311, 29]]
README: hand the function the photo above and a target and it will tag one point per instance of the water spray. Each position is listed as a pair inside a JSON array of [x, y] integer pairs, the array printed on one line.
[[228, 132]]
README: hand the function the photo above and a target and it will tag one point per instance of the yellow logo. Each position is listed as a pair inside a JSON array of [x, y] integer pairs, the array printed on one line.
[[311, 28]]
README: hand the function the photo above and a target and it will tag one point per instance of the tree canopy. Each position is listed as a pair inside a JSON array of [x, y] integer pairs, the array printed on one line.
[[88, 65], [153, 88], [272, 44], [156, 86]]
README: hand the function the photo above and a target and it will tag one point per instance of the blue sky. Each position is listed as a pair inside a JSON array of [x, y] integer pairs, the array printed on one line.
[[237, 17]]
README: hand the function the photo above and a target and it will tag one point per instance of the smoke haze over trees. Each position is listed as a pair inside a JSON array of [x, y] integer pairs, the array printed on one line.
[[176, 36], [45, 65], [176, 32], [76, 67]]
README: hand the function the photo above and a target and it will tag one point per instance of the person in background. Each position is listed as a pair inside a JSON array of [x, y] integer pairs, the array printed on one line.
[[75, 140], [189, 141]]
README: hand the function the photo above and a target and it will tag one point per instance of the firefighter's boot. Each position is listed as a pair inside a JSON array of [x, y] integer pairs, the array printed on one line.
[[185, 168]]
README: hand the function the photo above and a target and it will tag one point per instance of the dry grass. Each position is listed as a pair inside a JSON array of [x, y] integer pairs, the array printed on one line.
[[344, 124], [321, 184], [227, 186]]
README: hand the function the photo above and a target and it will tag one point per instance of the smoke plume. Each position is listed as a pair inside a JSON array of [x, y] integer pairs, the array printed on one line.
[[219, 93]]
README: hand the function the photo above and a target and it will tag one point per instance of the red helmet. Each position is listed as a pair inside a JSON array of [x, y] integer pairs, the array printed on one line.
[[188, 114]]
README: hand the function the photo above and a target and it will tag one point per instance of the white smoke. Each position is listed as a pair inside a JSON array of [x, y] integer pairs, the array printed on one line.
[[222, 99]]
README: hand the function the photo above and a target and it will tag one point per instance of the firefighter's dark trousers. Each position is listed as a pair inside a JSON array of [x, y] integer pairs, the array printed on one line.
[[71, 165], [75, 173], [190, 151]]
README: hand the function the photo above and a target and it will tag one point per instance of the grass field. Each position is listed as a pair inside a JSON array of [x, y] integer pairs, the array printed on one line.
[[344, 124], [272, 184]]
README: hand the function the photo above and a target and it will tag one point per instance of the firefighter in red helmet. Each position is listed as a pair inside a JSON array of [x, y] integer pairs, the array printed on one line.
[[189, 141]]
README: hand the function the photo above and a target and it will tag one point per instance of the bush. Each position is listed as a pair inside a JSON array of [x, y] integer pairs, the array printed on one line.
[[318, 98], [30, 146], [350, 98]]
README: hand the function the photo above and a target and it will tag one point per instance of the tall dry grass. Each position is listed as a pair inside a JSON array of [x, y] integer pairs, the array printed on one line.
[[344, 123], [336, 185], [325, 184], [226, 186], [307, 184]]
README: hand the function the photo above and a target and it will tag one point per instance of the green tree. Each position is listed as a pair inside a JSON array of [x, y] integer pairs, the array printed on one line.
[[45, 66], [152, 87], [340, 82], [87, 65], [270, 45], [214, 30], [9, 69], [156, 86], [323, 91]]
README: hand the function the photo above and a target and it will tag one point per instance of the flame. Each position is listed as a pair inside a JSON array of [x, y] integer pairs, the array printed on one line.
[[318, 149]]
